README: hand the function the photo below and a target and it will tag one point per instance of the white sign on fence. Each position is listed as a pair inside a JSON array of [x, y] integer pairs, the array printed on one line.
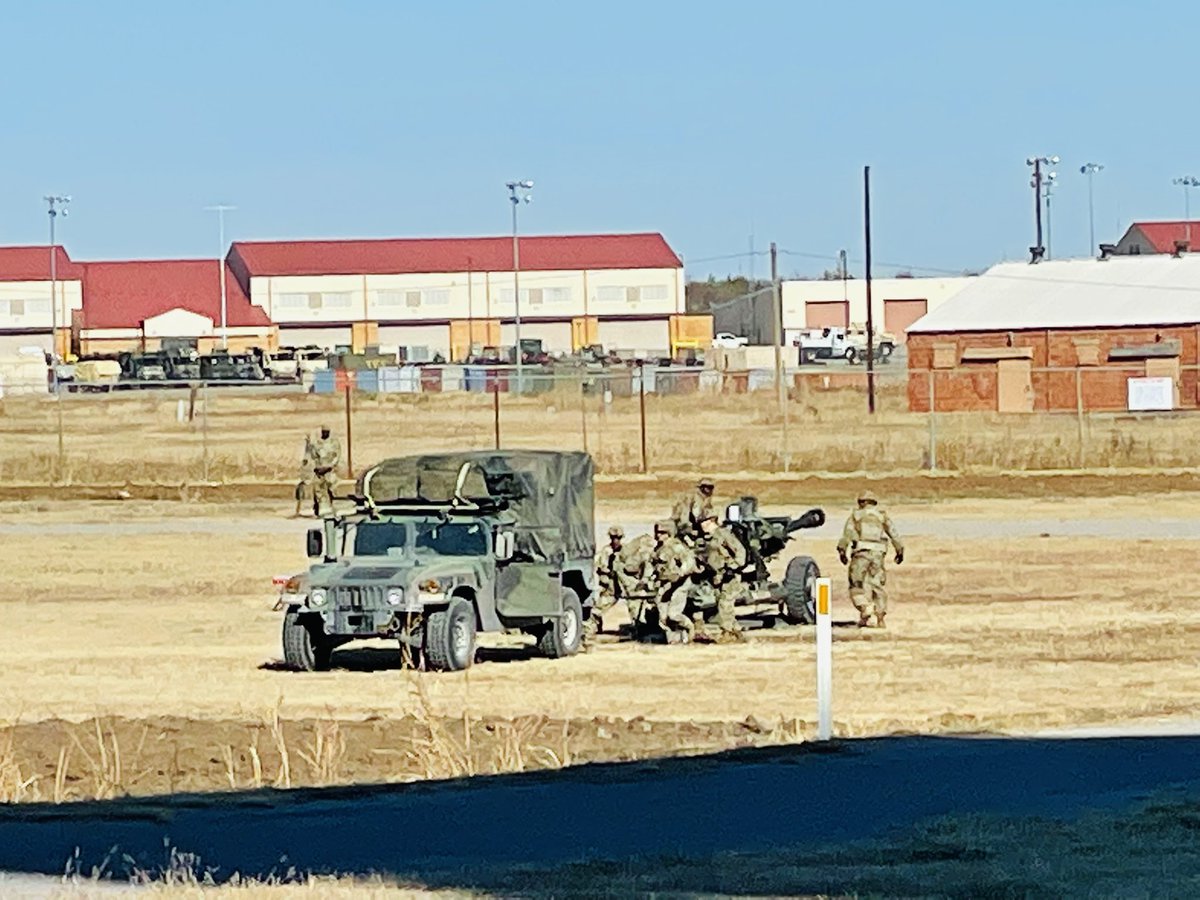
[[1151, 394], [824, 661]]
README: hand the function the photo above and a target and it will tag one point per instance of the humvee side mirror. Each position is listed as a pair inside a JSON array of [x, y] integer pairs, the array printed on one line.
[[733, 513], [505, 545], [315, 543]]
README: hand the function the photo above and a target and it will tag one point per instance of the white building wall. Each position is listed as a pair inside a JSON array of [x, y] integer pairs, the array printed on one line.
[[434, 337], [325, 338], [795, 294], [26, 304], [642, 337], [555, 336], [462, 295]]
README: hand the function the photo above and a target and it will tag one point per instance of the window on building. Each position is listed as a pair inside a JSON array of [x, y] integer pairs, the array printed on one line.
[[610, 294], [437, 297], [1135, 249], [336, 300], [633, 294], [412, 299], [556, 294], [533, 297], [656, 292], [389, 298], [16, 307], [290, 301]]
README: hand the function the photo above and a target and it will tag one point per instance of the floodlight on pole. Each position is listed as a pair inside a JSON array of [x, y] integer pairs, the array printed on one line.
[[220, 209], [57, 206], [1187, 182], [1090, 169], [518, 193]]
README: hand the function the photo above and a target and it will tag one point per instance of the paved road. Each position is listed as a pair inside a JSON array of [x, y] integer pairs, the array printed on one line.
[[798, 796]]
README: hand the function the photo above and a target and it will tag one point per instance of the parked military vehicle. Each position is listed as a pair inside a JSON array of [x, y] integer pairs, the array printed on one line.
[[231, 367], [439, 548], [142, 369]]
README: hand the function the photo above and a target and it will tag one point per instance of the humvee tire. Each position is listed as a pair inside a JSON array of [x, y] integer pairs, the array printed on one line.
[[305, 645], [450, 637], [800, 591], [563, 636]]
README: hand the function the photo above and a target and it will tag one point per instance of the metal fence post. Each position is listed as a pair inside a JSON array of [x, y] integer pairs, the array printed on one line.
[[642, 412], [62, 453], [583, 414], [932, 424], [204, 432], [496, 410]]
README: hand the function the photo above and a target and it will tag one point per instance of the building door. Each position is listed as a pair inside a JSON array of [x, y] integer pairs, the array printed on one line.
[[827, 314], [898, 315], [1014, 385], [1165, 367]]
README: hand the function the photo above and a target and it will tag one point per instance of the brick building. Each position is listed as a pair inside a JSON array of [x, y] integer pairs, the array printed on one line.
[[1092, 334]]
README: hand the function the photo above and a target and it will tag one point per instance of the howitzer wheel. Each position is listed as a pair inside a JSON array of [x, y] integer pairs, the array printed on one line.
[[800, 591]]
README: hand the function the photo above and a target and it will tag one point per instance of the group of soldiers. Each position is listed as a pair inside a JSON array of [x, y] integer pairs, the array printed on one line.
[[694, 557], [318, 472]]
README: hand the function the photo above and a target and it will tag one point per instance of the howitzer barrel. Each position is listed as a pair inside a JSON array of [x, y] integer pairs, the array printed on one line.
[[814, 518]]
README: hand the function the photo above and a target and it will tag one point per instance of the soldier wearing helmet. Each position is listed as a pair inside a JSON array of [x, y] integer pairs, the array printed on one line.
[[621, 575], [672, 565], [691, 508], [863, 548]]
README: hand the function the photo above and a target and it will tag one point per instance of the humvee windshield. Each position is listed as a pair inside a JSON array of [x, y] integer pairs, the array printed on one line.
[[378, 538], [453, 539]]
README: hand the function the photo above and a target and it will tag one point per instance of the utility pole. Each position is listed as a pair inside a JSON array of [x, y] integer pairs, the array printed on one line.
[[57, 206], [220, 209], [777, 325], [1037, 251], [1187, 182], [870, 312]]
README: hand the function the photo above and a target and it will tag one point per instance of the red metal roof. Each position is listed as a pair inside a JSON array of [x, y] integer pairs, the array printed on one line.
[[33, 264], [1163, 235], [125, 294], [424, 255]]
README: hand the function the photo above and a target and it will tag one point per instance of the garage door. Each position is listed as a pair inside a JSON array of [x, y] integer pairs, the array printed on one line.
[[319, 337], [827, 314], [645, 336], [898, 315]]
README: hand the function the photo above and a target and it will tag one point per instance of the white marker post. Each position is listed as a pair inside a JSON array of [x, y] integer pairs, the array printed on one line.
[[824, 662]]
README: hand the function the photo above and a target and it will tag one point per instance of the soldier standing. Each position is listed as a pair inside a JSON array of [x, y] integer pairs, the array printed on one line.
[[326, 454], [673, 563], [724, 558], [863, 548], [306, 485], [691, 508]]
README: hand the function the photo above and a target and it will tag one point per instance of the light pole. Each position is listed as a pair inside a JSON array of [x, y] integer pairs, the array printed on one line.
[[1048, 191], [1090, 170], [518, 193], [220, 209], [56, 206], [1187, 182], [1038, 250]]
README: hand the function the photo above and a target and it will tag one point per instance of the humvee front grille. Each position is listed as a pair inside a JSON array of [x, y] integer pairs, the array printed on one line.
[[355, 597]]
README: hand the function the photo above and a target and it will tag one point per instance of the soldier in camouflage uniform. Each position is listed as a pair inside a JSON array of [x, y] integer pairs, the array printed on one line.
[[620, 571], [691, 508], [863, 547], [326, 453], [672, 565], [724, 557]]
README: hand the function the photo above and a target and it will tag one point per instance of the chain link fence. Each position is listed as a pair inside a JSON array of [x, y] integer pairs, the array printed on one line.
[[632, 420]]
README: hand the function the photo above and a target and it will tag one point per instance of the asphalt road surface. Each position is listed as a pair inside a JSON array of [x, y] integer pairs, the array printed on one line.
[[800, 796]]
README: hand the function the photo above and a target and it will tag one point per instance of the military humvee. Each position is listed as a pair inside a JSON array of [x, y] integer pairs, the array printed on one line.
[[439, 548]]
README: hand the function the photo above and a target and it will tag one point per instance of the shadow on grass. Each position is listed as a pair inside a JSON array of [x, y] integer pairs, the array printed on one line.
[[969, 816]]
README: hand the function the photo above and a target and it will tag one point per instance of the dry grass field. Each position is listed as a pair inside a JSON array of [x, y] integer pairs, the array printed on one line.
[[136, 437], [143, 656]]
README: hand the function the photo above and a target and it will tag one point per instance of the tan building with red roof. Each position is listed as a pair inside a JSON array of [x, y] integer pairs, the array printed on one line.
[[25, 288], [1145, 238], [445, 294]]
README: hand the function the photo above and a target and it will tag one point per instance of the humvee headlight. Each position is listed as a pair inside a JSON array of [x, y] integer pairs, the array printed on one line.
[[318, 597], [395, 596]]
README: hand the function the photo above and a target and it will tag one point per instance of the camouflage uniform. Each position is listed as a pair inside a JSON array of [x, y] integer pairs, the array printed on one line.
[[620, 575], [326, 453], [863, 546], [725, 557], [672, 565], [306, 487], [690, 509]]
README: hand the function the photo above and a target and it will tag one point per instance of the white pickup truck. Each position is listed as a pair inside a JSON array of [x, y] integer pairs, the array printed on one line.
[[841, 343]]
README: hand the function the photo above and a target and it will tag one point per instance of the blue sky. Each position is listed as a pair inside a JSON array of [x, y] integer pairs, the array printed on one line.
[[707, 121]]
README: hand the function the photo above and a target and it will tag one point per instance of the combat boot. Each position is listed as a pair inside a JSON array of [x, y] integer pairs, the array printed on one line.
[[879, 620]]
